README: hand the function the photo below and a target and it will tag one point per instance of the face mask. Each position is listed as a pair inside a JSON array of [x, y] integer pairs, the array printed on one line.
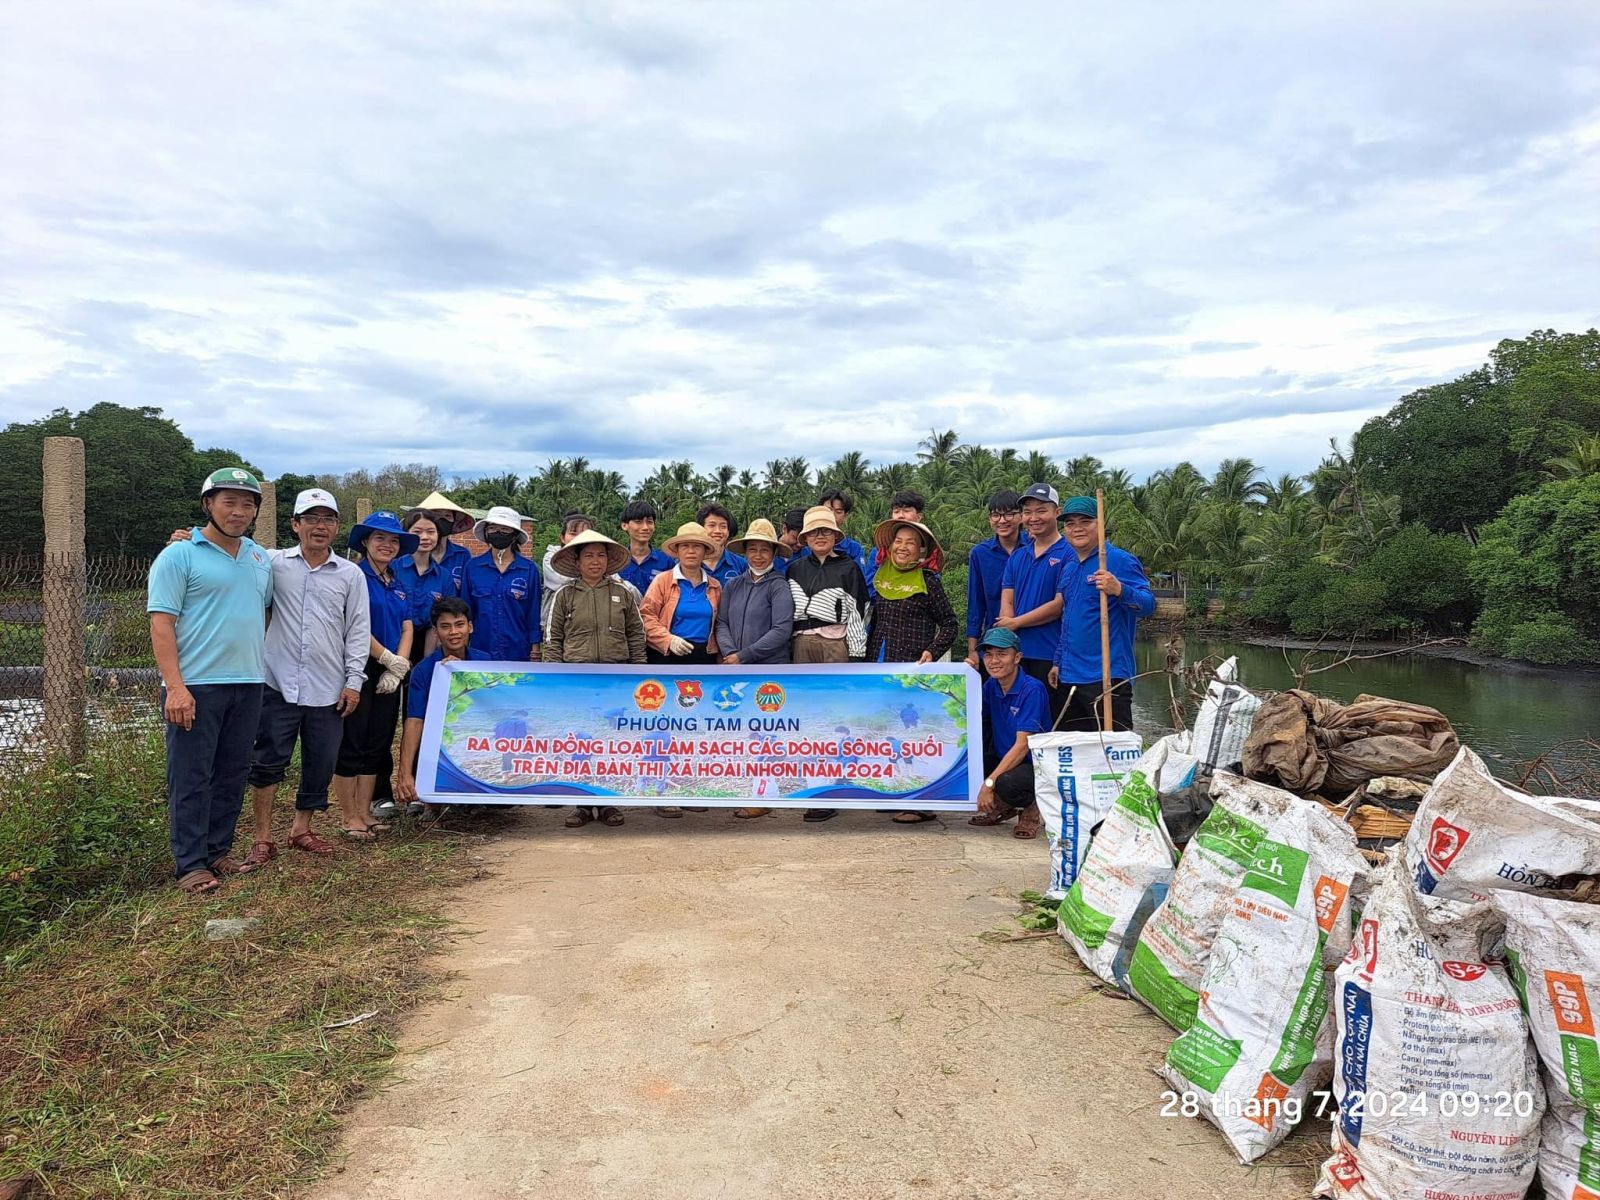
[[500, 539]]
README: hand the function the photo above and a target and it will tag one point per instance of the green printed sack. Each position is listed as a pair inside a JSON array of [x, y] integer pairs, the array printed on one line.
[[1553, 948], [1124, 876], [1262, 1040], [1170, 957]]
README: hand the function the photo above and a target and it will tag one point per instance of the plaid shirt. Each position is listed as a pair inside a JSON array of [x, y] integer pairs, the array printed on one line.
[[903, 629]]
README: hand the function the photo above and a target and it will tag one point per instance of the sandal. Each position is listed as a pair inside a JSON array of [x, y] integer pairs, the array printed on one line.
[[357, 835], [746, 814], [609, 815], [261, 853], [912, 818], [1028, 825], [310, 843], [998, 816], [819, 814], [579, 817], [229, 865], [198, 883], [669, 810]]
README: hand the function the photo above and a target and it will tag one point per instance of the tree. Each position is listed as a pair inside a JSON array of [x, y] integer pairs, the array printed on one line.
[[938, 447], [1537, 568], [1582, 458], [1237, 482], [288, 487]]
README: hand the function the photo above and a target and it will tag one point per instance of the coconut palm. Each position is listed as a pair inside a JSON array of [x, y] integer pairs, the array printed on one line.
[[1582, 458], [1237, 481], [938, 447]]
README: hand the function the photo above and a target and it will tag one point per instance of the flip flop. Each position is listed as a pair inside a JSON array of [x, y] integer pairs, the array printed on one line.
[[912, 818], [357, 835], [819, 814]]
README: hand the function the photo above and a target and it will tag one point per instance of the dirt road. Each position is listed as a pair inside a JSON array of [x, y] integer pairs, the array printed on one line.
[[711, 1007]]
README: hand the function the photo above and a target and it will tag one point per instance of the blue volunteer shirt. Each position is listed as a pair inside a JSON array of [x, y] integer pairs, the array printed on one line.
[[220, 601], [389, 606], [424, 588], [641, 573], [692, 617], [1078, 655], [457, 558], [1024, 709], [986, 569], [505, 606], [422, 679], [731, 565], [1035, 580]]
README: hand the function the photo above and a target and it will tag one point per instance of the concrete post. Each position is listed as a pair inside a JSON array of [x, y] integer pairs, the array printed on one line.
[[363, 509], [266, 533], [65, 586]]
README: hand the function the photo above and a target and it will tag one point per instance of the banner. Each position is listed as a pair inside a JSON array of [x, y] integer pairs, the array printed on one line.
[[859, 735]]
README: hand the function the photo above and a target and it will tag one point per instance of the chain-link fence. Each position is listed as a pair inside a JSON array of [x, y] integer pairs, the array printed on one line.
[[55, 662]]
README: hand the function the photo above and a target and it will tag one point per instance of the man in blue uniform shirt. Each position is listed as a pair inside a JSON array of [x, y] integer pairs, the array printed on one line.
[[452, 622], [1128, 597], [644, 561], [1014, 705], [986, 568], [1030, 600]]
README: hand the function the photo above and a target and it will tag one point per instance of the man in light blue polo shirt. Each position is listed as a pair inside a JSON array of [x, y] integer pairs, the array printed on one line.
[[208, 599], [1030, 601]]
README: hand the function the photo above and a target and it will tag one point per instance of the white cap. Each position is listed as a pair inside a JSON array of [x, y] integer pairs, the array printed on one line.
[[315, 498]]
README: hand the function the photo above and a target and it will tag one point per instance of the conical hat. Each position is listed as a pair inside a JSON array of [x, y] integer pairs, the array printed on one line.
[[439, 502], [565, 560]]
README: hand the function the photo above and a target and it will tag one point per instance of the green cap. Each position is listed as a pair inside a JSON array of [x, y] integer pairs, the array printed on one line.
[[1001, 639], [236, 478], [1080, 506]]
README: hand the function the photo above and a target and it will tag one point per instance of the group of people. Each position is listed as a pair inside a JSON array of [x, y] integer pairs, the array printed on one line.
[[261, 649]]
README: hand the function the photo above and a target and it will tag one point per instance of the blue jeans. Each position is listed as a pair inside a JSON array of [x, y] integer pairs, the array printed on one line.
[[206, 768], [318, 729]]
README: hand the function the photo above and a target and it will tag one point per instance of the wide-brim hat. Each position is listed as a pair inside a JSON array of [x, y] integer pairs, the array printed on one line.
[[760, 531], [690, 531], [565, 560], [501, 515], [383, 521], [820, 517], [883, 537], [438, 502]]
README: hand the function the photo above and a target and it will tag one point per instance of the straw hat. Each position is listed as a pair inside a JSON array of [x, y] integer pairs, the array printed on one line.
[[819, 517], [760, 531], [883, 537], [501, 515], [565, 560], [438, 502], [689, 531]]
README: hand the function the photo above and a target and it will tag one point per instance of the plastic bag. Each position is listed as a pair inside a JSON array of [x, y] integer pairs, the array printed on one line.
[[1170, 957], [1261, 1041], [1472, 834], [1124, 875], [1076, 779], [1437, 1084], [1224, 720], [1553, 949]]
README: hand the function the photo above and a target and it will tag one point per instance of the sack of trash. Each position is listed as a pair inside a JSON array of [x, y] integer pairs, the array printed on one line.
[[1223, 723], [1553, 950], [1076, 779], [1437, 1084], [1305, 743], [1261, 1042], [1125, 873], [1175, 944], [1472, 834]]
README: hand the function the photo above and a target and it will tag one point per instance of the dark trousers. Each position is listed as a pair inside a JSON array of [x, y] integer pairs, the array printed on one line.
[[1014, 789], [206, 769], [318, 729], [369, 731], [1084, 712], [697, 656], [1039, 668]]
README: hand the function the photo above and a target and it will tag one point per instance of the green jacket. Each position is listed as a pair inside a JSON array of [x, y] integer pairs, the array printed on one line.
[[594, 625]]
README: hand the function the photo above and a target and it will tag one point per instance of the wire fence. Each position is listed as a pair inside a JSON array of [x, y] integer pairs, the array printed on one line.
[[72, 627]]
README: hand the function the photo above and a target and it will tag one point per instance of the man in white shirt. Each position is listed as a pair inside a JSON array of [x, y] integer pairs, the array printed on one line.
[[316, 658]]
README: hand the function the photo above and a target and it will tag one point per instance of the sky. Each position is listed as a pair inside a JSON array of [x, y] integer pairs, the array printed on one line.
[[484, 235]]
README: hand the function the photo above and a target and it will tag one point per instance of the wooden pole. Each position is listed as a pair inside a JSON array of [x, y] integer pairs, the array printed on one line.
[[1105, 616]]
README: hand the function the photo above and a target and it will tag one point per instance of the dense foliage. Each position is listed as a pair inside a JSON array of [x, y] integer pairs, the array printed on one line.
[[1409, 529]]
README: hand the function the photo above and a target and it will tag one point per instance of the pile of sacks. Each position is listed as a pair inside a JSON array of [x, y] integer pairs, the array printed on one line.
[[1444, 994]]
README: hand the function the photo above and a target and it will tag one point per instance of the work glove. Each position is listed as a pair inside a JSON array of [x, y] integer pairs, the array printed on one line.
[[678, 645], [387, 682], [395, 665]]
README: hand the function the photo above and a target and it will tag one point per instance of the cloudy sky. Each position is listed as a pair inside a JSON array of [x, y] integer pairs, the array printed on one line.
[[482, 235]]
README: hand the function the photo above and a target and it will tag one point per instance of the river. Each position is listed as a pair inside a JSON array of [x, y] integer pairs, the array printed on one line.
[[1508, 717]]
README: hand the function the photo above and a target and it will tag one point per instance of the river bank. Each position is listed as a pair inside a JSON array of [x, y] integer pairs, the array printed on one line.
[[1453, 651]]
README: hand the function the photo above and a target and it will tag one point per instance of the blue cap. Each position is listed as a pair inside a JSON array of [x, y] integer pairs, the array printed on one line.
[[1080, 506], [1001, 639], [384, 521]]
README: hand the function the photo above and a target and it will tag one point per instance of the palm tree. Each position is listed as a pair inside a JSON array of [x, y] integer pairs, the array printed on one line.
[[938, 447], [1236, 482], [720, 483], [1582, 458], [850, 473], [1283, 491]]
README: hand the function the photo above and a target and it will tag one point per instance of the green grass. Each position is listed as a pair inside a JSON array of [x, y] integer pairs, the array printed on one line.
[[139, 1059]]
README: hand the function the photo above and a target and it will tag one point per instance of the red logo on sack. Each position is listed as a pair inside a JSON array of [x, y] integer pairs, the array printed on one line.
[[1444, 843], [1364, 949], [1464, 971]]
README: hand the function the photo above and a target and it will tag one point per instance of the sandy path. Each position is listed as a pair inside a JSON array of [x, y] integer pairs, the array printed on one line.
[[711, 1007]]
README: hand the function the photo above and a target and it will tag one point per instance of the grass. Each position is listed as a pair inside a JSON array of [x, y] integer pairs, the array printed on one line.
[[139, 1059]]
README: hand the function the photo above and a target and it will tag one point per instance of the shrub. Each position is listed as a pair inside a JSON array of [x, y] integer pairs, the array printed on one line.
[[1549, 638]]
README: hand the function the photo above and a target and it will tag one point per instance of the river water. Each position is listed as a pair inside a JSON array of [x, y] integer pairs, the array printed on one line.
[[1508, 717]]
